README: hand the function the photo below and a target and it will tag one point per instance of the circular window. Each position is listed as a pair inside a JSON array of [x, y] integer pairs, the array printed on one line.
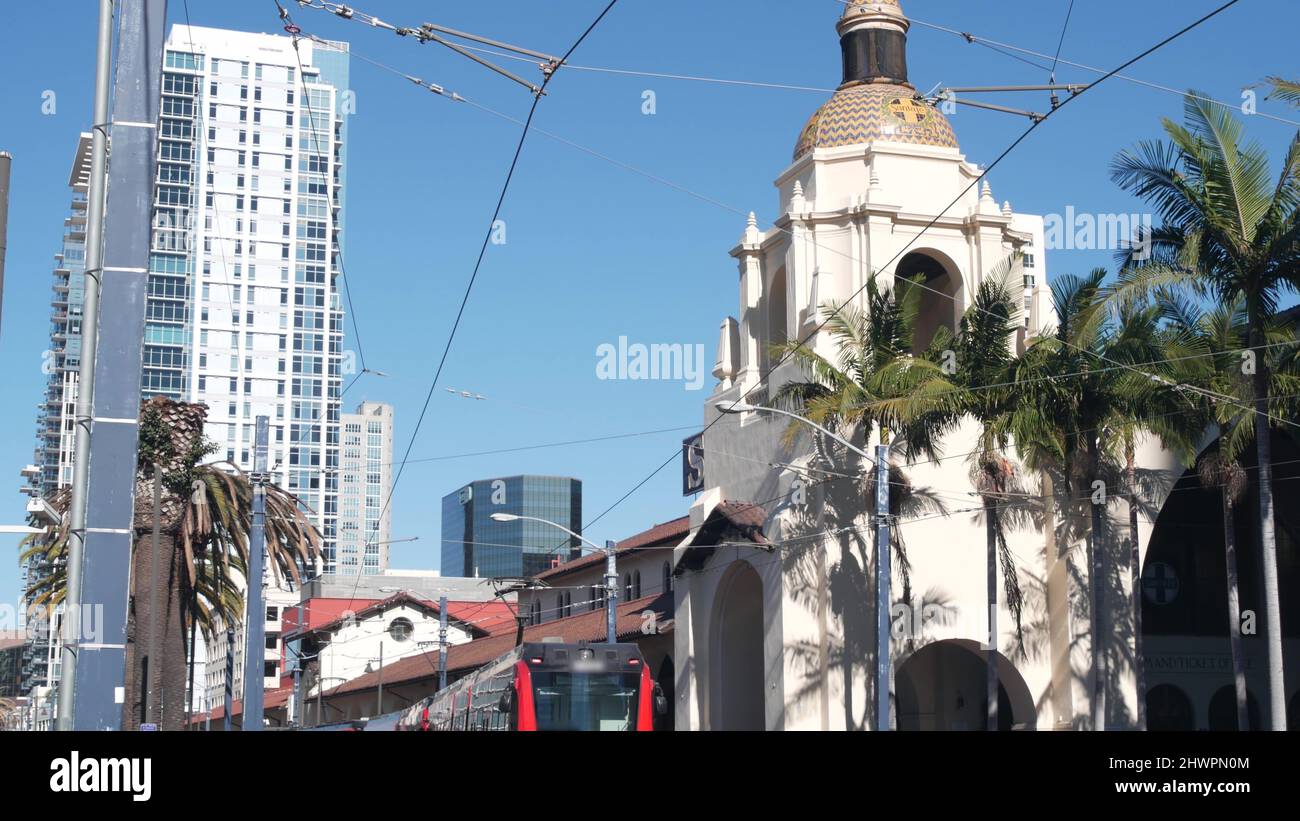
[[401, 629]]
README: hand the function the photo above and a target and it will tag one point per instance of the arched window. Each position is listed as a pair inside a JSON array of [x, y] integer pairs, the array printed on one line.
[[636, 584], [568, 604], [535, 612], [559, 606], [668, 578], [627, 587]]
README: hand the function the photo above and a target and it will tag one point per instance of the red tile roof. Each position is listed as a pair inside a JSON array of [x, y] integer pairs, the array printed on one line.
[[668, 533], [744, 519], [672, 531], [480, 618], [589, 626], [489, 617], [12, 638]]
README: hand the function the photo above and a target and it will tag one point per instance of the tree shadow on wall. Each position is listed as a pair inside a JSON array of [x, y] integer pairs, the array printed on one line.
[[841, 577]]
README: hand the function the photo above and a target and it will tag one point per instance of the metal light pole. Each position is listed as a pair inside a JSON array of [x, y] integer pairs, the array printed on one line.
[[255, 630], [611, 595], [882, 588], [86, 368], [6, 160], [881, 462], [299, 713], [611, 574]]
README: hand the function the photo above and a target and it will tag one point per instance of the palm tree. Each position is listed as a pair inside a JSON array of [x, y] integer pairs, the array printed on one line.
[[1287, 90], [873, 363], [1139, 336], [204, 521], [1085, 390], [979, 387], [1221, 210]]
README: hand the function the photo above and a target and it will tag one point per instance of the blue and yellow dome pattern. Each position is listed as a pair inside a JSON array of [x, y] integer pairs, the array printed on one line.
[[865, 113]]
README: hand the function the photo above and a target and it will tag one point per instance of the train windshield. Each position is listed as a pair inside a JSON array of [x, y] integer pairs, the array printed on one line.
[[586, 701]]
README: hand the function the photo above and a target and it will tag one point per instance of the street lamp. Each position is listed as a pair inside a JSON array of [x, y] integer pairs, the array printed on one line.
[[881, 462], [611, 571]]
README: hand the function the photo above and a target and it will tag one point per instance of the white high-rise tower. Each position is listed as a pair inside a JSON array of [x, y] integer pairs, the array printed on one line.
[[244, 313], [366, 479]]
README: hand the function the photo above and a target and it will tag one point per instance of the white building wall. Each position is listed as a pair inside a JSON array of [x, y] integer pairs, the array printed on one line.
[[361, 643]]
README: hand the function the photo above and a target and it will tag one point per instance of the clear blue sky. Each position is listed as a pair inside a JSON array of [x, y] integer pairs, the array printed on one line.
[[594, 252]]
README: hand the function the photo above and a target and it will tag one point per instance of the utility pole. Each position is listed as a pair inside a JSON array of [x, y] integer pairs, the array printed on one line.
[[882, 587], [379, 707], [299, 711], [255, 629], [86, 368], [442, 643], [6, 159], [104, 500], [611, 594]]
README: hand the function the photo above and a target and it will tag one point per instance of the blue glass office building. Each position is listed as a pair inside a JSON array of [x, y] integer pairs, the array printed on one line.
[[475, 545]]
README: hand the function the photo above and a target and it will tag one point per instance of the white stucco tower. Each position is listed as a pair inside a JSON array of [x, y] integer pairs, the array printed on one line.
[[775, 624], [777, 634]]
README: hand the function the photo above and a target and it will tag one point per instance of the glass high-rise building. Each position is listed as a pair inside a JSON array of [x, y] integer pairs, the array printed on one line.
[[243, 310], [475, 545]]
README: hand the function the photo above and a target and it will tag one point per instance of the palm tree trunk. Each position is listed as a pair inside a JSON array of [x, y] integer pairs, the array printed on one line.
[[991, 536], [189, 690], [1135, 581], [1272, 601], [172, 661], [161, 666], [1234, 612], [1098, 579]]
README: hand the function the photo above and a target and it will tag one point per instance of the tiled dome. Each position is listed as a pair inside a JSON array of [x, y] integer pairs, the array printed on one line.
[[864, 113]]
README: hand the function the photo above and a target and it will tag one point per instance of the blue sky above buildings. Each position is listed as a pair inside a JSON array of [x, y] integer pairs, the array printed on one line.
[[594, 252]]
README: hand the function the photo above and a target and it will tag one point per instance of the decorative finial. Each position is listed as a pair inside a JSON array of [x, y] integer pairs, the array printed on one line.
[[797, 198], [751, 229]]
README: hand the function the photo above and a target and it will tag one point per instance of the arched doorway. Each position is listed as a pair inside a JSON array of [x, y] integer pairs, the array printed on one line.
[[1169, 708], [737, 659], [1223, 709], [940, 301], [944, 686]]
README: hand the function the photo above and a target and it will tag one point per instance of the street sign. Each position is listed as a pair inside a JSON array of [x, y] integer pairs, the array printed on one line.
[[693, 464], [148, 728]]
